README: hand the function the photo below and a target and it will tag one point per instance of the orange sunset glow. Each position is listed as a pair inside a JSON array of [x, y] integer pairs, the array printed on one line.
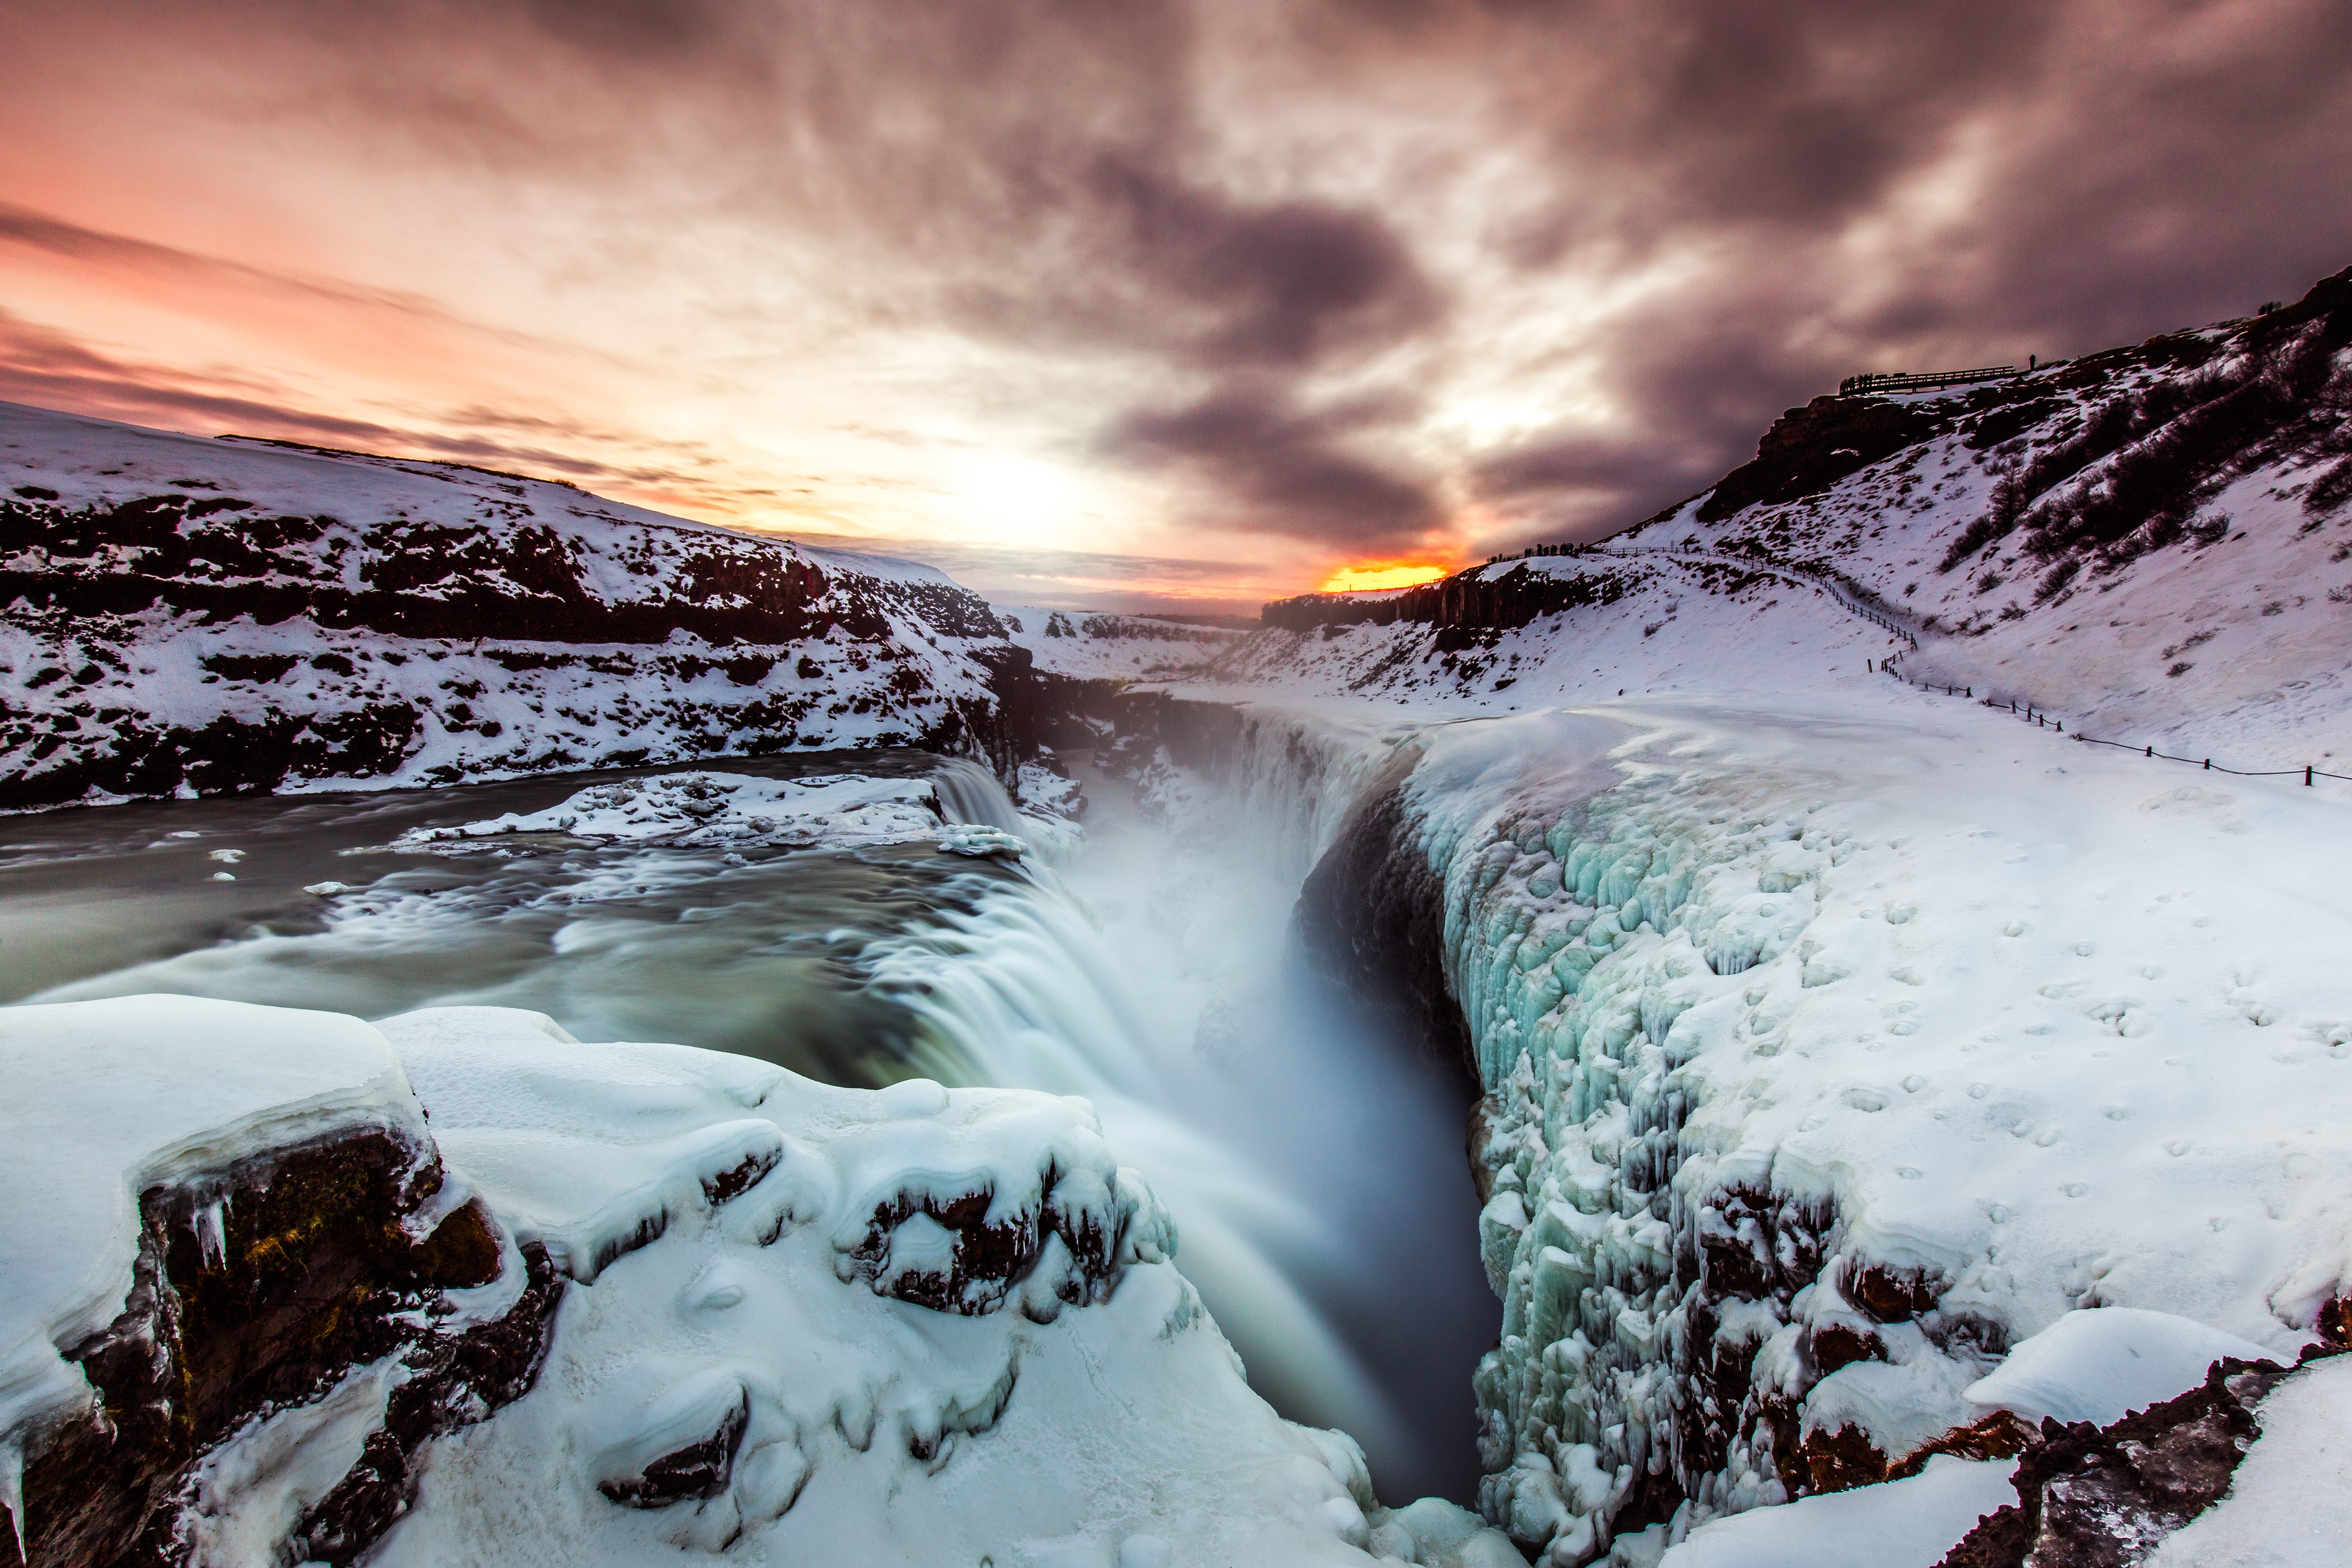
[[1381, 574]]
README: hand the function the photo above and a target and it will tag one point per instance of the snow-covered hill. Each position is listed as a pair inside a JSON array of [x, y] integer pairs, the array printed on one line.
[[2154, 542], [200, 616]]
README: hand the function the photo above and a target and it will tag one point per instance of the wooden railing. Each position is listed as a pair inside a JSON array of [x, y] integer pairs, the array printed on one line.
[[1903, 381]]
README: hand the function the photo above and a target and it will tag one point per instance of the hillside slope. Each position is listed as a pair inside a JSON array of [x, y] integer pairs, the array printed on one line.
[[197, 615], [2154, 542]]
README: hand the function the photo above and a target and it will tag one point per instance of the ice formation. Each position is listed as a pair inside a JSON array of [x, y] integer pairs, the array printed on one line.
[[717, 810], [1805, 1107]]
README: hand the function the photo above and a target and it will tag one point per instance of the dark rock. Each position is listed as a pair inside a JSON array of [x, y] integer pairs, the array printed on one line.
[[313, 1274], [698, 1470], [1809, 449], [1466, 604], [2092, 1497]]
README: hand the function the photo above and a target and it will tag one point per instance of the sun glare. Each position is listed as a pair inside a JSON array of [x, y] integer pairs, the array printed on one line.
[[1381, 574]]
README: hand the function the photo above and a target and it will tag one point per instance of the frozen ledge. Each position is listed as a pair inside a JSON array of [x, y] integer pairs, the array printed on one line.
[[612, 1301]]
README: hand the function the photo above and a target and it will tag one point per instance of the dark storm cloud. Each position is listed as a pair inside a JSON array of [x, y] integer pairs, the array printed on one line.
[[1202, 195], [1286, 470], [2133, 168], [1289, 283]]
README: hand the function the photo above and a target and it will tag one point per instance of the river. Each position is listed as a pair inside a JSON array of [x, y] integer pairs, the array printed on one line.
[[1314, 1162]]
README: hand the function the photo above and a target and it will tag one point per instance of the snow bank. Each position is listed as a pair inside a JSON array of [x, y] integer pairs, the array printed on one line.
[[2100, 1366], [107, 1100], [1902, 1524], [708, 810]]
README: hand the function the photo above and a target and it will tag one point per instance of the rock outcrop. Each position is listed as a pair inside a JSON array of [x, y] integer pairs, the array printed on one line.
[[306, 1272]]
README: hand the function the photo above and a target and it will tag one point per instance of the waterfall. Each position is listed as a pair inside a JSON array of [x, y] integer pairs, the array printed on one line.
[[1155, 978], [969, 793]]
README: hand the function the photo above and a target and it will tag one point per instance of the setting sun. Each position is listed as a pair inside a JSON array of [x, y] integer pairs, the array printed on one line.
[[1381, 574]]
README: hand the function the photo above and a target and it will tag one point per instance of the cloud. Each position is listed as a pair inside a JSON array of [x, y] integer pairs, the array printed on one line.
[[1286, 470], [1341, 274], [46, 368]]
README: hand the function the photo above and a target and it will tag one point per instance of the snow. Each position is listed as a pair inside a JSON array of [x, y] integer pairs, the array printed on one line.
[[895, 657], [2286, 1505], [1093, 645], [108, 1100], [2100, 1366], [1089, 1411], [706, 810], [1901, 1524]]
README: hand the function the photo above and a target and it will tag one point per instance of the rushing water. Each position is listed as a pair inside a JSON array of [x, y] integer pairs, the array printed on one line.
[[1315, 1166]]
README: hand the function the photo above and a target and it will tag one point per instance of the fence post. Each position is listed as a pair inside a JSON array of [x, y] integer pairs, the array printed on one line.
[[2151, 751], [2306, 775], [2209, 765]]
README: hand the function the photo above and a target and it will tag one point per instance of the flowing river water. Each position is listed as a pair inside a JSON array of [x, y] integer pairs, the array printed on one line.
[[1313, 1160]]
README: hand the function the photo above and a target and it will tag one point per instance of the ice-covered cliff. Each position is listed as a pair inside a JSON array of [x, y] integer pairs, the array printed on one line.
[[203, 615]]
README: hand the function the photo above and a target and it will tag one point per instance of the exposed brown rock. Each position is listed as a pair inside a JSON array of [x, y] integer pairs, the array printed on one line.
[[1834, 1345], [1887, 1293], [1999, 1435], [312, 1275], [700, 1469], [2103, 1496]]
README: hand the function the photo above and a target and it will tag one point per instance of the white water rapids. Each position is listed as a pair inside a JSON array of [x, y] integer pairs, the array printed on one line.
[[1314, 1163]]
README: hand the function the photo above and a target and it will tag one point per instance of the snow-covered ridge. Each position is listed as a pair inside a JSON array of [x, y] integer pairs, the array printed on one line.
[[831, 1326], [190, 615], [2155, 543]]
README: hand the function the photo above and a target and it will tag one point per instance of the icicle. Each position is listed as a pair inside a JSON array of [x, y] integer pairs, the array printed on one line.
[[212, 1232], [12, 1489]]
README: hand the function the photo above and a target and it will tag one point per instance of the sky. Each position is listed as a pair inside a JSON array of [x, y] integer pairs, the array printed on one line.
[[1146, 304]]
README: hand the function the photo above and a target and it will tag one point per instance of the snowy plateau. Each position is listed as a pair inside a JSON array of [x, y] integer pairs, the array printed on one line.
[[1914, 1119]]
